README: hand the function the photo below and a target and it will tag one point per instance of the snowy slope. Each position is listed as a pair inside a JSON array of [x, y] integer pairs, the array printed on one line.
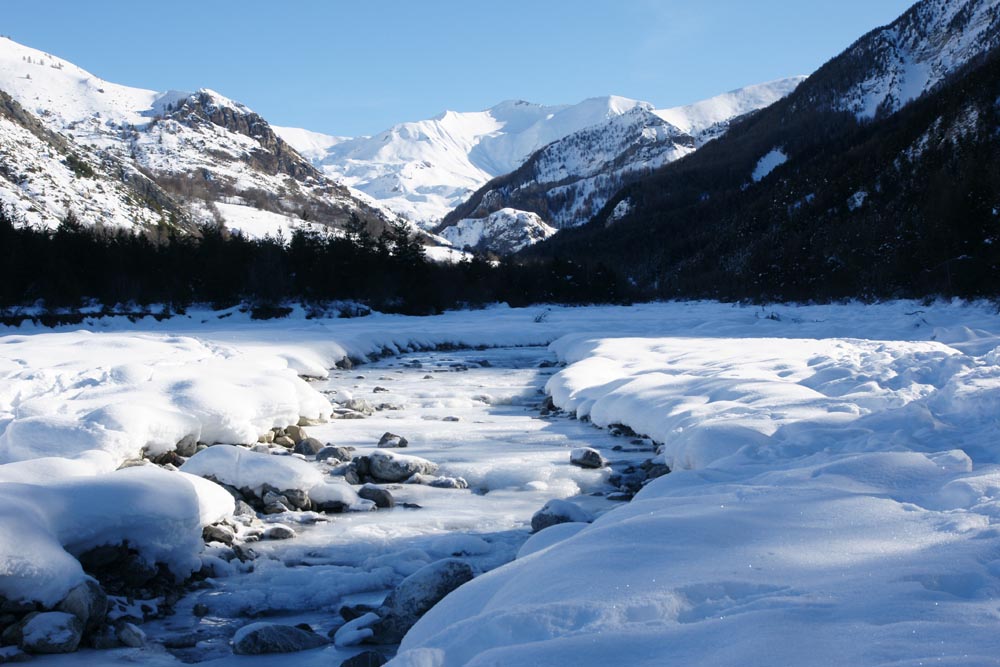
[[199, 147], [503, 232], [916, 52]]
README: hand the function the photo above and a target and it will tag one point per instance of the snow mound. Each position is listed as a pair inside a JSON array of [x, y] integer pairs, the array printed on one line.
[[159, 513], [131, 393], [244, 469]]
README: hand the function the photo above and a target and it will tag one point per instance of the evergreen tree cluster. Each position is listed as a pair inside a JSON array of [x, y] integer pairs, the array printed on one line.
[[74, 264]]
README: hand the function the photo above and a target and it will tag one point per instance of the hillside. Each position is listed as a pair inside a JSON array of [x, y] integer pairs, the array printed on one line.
[[815, 198]]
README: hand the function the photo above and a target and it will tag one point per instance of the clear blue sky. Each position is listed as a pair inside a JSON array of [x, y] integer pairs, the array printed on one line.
[[358, 67]]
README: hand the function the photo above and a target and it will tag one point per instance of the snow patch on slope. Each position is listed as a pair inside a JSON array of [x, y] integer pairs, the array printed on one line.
[[506, 231]]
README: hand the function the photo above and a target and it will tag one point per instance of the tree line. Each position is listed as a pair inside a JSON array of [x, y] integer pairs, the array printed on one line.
[[74, 265]]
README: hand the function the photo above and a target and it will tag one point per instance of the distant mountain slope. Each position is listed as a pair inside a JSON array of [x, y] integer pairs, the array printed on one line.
[[568, 181], [811, 198], [199, 149], [424, 169]]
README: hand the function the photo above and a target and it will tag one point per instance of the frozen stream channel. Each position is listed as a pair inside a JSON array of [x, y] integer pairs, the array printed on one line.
[[476, 414]]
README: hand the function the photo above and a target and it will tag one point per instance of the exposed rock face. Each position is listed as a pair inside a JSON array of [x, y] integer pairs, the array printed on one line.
[[415, 596], [261, 638]]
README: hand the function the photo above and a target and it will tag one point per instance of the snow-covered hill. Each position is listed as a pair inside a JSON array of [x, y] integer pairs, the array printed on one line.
[[568, 181], [189, 152]]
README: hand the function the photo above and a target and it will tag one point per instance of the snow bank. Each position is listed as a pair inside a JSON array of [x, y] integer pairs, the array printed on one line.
[[66, 394], [822, 490], [159, 513]]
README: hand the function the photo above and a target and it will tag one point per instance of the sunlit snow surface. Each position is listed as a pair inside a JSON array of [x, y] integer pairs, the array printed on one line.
[[836, 479]]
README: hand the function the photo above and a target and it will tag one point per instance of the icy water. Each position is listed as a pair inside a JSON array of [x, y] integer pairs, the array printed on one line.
[[476, 414]]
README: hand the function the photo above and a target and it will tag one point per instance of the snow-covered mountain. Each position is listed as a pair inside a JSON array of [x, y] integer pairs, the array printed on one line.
[[503, 232], [873, 177], [896, 64], [568, 181], [121, 156], [424, 169]]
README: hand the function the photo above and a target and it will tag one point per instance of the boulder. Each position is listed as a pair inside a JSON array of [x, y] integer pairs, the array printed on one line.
[[391, 440], [261, 638], [130, 635], [386, 466], [559, 511], [50, 632], [284, 441], [365, 659], [188, 446], [331, 452], [218, 533], [586, 457], [381, 497], [296, 433], [359, 405], [308, 447], [415, 596], [89, 603], [279, 532], [439, 482]]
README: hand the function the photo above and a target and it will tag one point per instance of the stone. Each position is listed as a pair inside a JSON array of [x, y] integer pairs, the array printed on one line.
[[298, 499], [218, 533], [349, 612], [104, 639], [261, 449], [365, 659], [449, 483], [391, 440], [89, 603], [263, 638], [243, 509], [267, 438], [586, 457], [556, 512], [133, 463], [380, 390], [308, 447], [51, 632], [284, 441], [274, 508], [381, 497], [359, 405], [200, 610], [168, 458], [296, 433], [309, 421], [188, 446], [332, 452], [415, 596], [362, 466], [387, 466], [279, 532], [451, 419], [130, 635]]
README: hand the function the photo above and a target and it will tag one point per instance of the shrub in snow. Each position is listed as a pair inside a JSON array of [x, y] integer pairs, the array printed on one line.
[[261, 638], [414, 597], [559, 511]]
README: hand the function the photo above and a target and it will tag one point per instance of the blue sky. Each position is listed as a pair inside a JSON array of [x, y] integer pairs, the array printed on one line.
[[358, 67]]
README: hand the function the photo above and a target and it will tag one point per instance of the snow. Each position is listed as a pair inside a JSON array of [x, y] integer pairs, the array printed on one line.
[[257, 223], [918, 51], [771, 161], [159, 513], [505, 231], [835, 475], [245, 469], [700, 116]]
